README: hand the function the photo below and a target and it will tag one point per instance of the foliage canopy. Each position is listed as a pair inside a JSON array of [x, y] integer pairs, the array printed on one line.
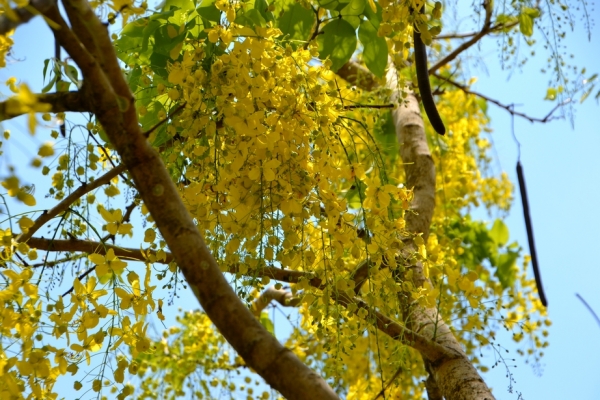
[[292, 159]]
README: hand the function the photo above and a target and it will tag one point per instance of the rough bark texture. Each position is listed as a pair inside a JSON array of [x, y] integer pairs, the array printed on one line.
[[453, 374], [88, 43]]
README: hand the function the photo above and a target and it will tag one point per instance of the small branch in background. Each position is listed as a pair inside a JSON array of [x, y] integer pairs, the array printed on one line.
[[23, 15], [590, 309], [391, 106], [359, 76], [487, 5], [382, 392], [283, 297], [493, 29], [67, 201], [159, 123], [59, 102], [508, 108]]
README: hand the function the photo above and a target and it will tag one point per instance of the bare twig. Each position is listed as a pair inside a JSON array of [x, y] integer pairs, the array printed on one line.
[[590, 309]]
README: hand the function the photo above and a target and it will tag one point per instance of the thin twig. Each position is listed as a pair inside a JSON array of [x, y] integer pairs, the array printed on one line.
[[508, 108], [591, 310], [67, 201], [159, 123]]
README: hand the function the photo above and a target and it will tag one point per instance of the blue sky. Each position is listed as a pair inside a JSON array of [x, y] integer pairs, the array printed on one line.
[[562, 169]]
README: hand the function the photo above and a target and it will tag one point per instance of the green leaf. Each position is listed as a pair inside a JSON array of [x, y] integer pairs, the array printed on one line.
[[337, 42], [185, 5], [385, 135], [336, 5], [373, 17], [586, 94], [526, 24], [133, 78], [375, 54], [499, 232], [208, 10], [163, 43], [355, 194], [46, 61], [267, 323], [505, 269], [262, 6], [297, 22], [250, 18], [62, 86], [72, 73], [353, 12], [47, 88]]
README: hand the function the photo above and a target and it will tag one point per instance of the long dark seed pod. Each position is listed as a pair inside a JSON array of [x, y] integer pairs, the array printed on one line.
[[423, 81], [529, 227]]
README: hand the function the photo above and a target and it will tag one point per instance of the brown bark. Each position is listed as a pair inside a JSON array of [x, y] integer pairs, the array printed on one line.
[[453, 374], [59, 102], [88, 43]]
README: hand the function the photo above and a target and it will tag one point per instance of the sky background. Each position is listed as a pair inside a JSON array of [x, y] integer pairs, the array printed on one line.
[[562, 170]]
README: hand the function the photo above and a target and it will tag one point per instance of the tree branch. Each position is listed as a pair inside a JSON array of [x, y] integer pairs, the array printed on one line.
[[23, 15], [67, 201], [385, 324], [509, 108], [359, 76], [493, 29], [88, 43], [487, 5], [453, 372], [283, 297], [59, 102]]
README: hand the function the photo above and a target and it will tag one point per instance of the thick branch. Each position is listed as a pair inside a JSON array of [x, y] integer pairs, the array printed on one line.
[[89, 44], [453, 373], [59, 102]]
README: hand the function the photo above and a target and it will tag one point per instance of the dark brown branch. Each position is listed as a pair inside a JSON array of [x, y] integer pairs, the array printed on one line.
[[375, 106], [493, 29], [23, 15], [509, 108], [67, 201], [159, 123], [383, 323], [487, 4], [59, 102]]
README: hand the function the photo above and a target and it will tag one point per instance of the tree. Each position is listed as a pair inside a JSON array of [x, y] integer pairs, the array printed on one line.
[[244, 155]]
